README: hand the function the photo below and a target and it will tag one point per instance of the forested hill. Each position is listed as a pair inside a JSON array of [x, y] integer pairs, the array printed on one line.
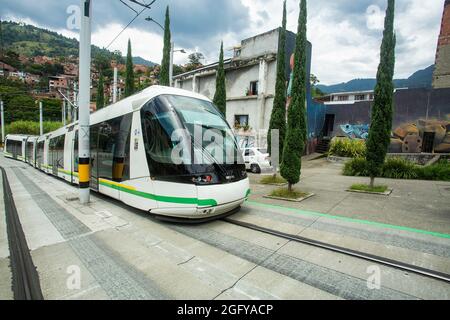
[[32, 41], [420, 79]]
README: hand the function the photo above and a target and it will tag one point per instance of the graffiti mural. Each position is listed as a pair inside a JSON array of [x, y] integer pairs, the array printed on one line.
[[426, 136], [356, 131]]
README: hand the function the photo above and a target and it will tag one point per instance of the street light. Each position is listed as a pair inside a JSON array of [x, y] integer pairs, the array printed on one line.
[[172, 51]]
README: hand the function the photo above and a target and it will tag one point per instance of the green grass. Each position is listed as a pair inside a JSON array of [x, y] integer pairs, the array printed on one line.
[[272, 180], [364, 187], [285, 193]]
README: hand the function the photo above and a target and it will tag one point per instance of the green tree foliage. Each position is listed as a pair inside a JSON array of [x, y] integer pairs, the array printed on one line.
[[278, 117], [194, 58], [52, 110], [382, 110], [102, 63], [31, 127], [129, 77], [296, 133], [32, 41], [220, 97], [177, 69], [100, 101], [164, 78], [194, 61]]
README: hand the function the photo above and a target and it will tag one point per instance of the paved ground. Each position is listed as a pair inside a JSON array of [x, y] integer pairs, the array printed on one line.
[[121, 253], [414, 203]]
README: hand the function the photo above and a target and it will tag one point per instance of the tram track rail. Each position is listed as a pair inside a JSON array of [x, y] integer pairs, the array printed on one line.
[[25, 279], [346, 251]]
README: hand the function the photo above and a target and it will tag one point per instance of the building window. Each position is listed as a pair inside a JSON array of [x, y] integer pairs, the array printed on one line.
[[240, 121], [371, 97], [343, 98], [360, 97], [253, 90]]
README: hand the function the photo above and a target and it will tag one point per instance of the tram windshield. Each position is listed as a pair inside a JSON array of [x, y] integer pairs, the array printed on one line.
[[185, 136]]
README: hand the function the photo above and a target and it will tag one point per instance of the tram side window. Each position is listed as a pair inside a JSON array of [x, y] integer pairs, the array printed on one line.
[[9, 146], [40, 153], [14, 147], [60, 151], [29, 151], [51, 152], [114, 149], [19, 148]]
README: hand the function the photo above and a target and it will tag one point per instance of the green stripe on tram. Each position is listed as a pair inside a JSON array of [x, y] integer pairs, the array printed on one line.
[[199, 202]]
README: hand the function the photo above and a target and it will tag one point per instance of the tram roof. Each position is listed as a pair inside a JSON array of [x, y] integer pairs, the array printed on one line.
[[137, 101], [128, 105]]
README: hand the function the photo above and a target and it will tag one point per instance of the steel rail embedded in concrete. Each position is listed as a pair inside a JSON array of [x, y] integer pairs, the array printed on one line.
[[358, 254], [25, 279]]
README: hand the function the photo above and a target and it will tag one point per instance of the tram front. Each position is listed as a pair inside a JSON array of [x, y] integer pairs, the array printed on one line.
[[194, 161]]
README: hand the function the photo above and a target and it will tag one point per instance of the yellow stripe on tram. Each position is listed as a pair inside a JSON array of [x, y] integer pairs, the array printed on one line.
[[108, 182]]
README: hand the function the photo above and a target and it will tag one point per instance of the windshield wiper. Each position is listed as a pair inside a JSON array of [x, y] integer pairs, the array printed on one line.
[[222, 170]]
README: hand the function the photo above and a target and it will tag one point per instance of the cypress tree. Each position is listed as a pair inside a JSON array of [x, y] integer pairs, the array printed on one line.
[[100, 101], [382, 110], [296, 134], [278, 117], [129, 77], [220, 97], [164, 78]]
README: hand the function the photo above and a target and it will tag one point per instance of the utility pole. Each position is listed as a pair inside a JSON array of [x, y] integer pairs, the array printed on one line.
[[115, 86], [84, 101], [41, 124], [69, 107], [172, 45], [64, 112], [75, 101], [3, 121]]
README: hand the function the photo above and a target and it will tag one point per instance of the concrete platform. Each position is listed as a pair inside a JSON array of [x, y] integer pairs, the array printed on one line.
[[109, 251]]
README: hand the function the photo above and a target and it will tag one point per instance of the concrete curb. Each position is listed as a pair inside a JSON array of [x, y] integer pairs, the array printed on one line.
[[386, 193], [309, 195]]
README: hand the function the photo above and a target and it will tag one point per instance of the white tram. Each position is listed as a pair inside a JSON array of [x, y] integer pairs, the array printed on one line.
[[157, 151]]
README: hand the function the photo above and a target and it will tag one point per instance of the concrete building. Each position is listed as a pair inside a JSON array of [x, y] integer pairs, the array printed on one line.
[[250, 80], [441, 76], [346, 97], [421, 120]]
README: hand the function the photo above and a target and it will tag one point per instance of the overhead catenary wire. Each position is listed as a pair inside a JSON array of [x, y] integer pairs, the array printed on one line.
[[146, 6]]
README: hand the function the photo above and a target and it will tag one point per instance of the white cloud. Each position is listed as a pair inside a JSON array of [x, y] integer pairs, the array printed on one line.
[[345, 42]]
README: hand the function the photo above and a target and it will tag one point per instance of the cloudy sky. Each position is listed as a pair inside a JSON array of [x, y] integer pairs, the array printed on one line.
[[345, 34]]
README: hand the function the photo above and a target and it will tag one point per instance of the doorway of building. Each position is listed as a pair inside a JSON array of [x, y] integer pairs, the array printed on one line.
[[428, 142], [329, 125]]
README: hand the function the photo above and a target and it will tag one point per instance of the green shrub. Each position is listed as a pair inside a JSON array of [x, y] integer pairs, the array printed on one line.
[[399, 168], [356, 167], [350, 148], [439, 171], [31, 127]]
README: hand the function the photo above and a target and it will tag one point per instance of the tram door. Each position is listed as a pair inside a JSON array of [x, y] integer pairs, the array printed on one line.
[[94, 158]]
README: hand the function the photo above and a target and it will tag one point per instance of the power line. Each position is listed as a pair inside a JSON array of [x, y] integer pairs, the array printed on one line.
[[146, 6]]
